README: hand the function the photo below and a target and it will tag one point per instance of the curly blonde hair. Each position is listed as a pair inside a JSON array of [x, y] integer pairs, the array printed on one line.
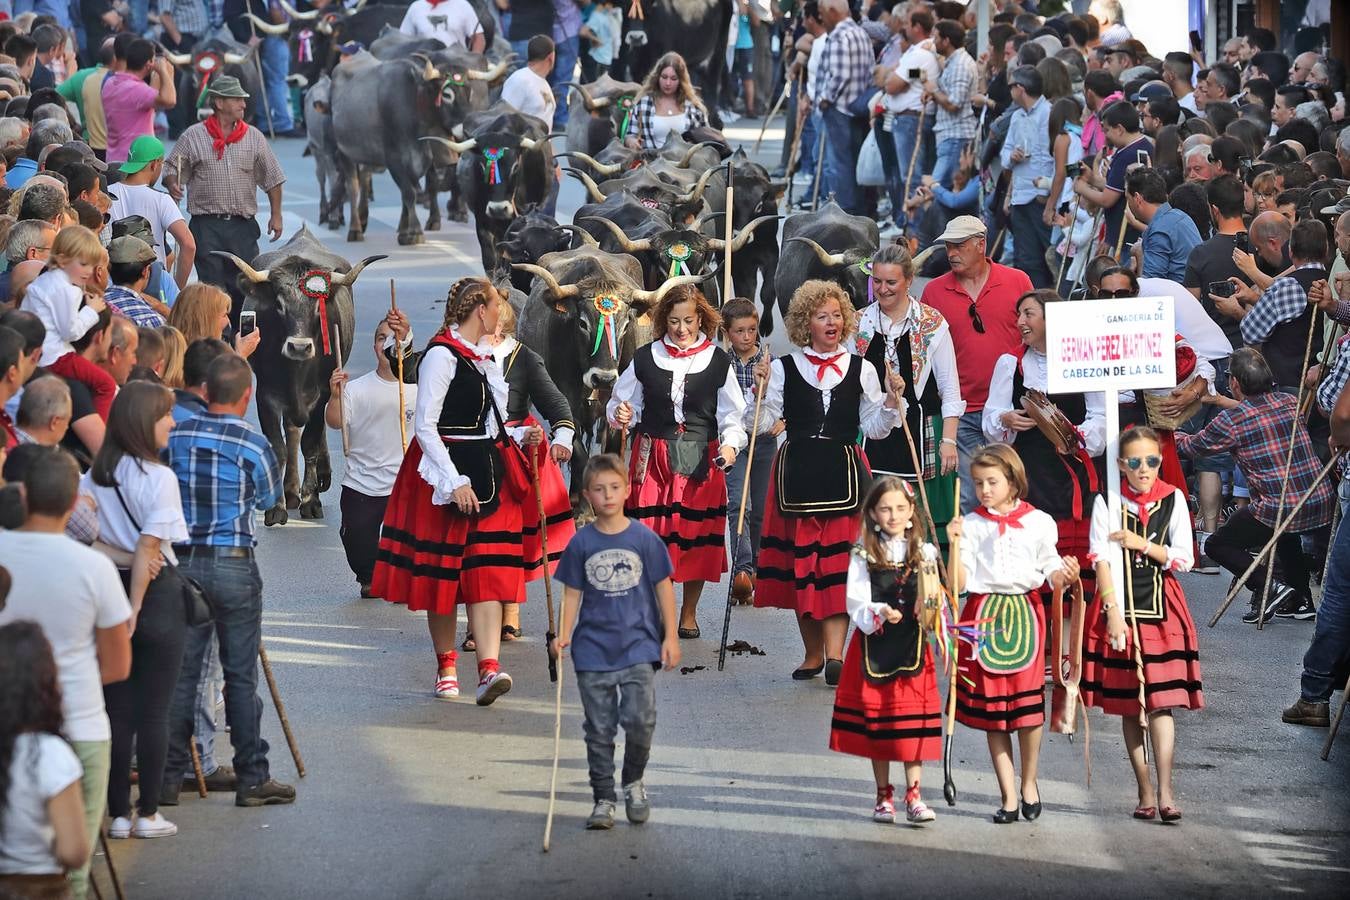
[[465, 296], [708, 318], [808, 298], [684, 93]]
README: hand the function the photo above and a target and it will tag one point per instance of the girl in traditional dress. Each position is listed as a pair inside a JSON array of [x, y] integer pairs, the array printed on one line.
[[1152, 543], [683, 401], [452, 532], [914, 340], [887, 706], [1007, 554], [825, 395]]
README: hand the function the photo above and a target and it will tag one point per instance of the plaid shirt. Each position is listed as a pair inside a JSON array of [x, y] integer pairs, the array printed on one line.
[[1256, 432], [225, 471], [190, 16], [228, 186], [957, 83], [1334, 381], [645, 109], [845, 71], [745, 377], [1282, 302], [130, 304]]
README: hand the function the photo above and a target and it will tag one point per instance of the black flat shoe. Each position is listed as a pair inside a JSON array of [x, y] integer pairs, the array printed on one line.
[[806, 674], [1031, 811], [833, 668], [688, 634], [1005, 816]]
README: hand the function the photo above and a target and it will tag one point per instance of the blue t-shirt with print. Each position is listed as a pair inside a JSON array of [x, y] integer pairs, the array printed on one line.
[[619, 624]]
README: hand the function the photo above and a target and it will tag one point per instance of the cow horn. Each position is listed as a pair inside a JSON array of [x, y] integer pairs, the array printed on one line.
[[492, 74], [689, 154], [268, 27], [528, 143], [606, 169], [558, 291], [297, 80], [922, 257], [178, 59], [591, 103], [654, 297], [360, 5], [248, 271], [742, 236], [827, 259], [298, 15], [696, 192], [348, 278], [586, 237], [705, 217], [641, 245], [591, 187], [457, 146], [235, 59], [429, 70]]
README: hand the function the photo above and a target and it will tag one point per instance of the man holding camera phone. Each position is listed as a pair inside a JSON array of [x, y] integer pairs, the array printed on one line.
[[130, 100]]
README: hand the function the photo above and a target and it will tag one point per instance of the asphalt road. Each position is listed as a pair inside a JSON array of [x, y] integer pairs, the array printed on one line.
[[406, 797]]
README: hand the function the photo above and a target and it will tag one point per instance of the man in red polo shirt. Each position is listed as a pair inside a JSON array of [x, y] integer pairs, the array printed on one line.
[[978, 298]]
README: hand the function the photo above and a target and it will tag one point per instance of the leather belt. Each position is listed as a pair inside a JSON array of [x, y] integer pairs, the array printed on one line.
[[218, 552]]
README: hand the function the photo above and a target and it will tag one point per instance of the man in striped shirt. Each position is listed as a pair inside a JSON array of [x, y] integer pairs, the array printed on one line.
[[843, 83]]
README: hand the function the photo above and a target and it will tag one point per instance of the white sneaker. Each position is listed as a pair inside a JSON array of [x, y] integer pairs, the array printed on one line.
[[155, 826], [120, 828], [492, 686]]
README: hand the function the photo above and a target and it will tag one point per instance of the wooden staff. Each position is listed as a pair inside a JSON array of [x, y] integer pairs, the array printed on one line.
[[1270, 544], [1134, 636], [953, 560], [398, 351], [557, 748], [913, 158], [726, 275], [769, 116], [1335, 726], [548, 581], [796, 138], [112, 870], [197, 767], [281, 710], [342, 411], [740, 522]]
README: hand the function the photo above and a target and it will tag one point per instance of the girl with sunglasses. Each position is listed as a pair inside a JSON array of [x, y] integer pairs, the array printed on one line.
[[1152, 542]]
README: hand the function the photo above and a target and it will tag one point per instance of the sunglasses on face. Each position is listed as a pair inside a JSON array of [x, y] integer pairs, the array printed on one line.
[[975, 318], [1117, 294], [1148, 462]]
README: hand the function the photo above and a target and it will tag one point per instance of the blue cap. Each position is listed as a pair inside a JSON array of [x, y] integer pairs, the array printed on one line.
[[351, 48], [1153, 90]]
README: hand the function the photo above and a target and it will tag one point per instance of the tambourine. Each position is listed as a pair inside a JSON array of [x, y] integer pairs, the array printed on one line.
[[1056, 427], [928, 603]]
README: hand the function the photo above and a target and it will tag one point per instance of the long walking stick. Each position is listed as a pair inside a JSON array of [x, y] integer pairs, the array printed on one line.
[[548, 581], [1270, 544], [342, 409], [769, 116], [726, 275], [1134, 636], [398, 350], [197, 767], [796, 140], [1288, 461], [557, 748], [913, 158], [820, 165], [112, 869], [740, 523], [281, 710], [1335, 724], [953, 560]]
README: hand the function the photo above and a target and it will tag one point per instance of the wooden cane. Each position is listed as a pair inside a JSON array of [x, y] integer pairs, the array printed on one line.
[[1335, 725], [820, 164], [1288, 462], [918, 480], [726, 275], [796, 139], [548, 581], [913, 158], [740, 522], [782, 96], [197, 767], [281, 710], [953, 560], [112, 869], [557, 748], [1270, 544], [398, 350], [342, 410], [1134, 636], [262, 80]]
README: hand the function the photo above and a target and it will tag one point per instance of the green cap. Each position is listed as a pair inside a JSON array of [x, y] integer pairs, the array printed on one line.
[[144, 150]]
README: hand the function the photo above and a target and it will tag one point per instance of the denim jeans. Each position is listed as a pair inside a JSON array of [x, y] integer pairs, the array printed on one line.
[[810, 144], [765, 447], [235, 589], [1031, 238], [95, 760], [904, 137], [969, 439], [522, 51], [276, 65], [208, 689], [948, 158], [886, 147], [610, 699], [564, 69], [1331, 634], [845, 139], [140, 17]]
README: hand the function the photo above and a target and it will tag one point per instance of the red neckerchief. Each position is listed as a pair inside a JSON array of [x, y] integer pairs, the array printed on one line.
[[824, 364], [449, 339], [435, 3], [1008, 520], [1143, 501], [676, 353], [219, 139]]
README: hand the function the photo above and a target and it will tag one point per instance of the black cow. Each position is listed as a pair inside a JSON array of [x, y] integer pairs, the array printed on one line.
[[292, 365], [529, 237], [315, 35], [321, 143], [828, 243], [682, 204], [217, 55], [755, 195], [598, 112]]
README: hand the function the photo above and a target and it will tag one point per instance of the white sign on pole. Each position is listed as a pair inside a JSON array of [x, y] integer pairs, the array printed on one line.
[[1100, 345]]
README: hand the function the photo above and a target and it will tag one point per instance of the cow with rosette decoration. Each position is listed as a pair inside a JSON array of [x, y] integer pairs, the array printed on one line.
[[302, 294]]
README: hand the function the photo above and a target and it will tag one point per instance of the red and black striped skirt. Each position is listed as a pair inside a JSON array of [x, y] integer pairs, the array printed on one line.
[[803, 560], [557, 512], [689, 516], [1171, 661], [1000, 684], [900, 720], [432, 557]]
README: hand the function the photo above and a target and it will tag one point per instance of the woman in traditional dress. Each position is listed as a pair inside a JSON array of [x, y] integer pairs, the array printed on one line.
[[682, 399], [452, 533], [825, 395]]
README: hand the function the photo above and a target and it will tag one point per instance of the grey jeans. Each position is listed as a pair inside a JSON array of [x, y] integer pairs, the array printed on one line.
[[626, 697]]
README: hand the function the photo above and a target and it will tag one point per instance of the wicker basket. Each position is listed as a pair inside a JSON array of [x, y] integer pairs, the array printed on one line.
[[1157, 419]]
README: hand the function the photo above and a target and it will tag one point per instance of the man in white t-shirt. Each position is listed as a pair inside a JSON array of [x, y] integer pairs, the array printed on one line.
[[87, 628], [454, 22], [136, 197], [527, 89], [370, 408]]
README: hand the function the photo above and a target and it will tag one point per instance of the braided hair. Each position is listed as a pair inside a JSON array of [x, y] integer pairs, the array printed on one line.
[[466, 295]]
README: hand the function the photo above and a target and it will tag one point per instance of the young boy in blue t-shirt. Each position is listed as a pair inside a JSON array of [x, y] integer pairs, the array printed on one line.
[[624, 632]]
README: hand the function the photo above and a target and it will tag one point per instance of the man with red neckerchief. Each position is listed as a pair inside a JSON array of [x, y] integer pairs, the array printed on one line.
[[222, 162]]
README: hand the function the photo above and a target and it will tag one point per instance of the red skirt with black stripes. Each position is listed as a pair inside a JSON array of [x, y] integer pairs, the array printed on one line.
[[803, 560], [1000, 683], [557, 512], [1171, 661], [900, 720], [432, 557], [690, 516]]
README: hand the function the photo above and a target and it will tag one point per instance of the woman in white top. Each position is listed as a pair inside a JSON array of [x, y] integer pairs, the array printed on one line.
[[666, 103], [140, 512], [42, 833]]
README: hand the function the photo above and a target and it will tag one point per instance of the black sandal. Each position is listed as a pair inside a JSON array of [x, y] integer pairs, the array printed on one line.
[[469, 645], [510, 633], [688, 634]]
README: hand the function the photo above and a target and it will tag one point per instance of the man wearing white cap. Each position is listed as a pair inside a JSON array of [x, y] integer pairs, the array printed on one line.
[[978, 299]]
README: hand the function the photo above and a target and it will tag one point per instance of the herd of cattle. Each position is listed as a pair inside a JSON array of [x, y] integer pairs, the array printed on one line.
[[655, 219]]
